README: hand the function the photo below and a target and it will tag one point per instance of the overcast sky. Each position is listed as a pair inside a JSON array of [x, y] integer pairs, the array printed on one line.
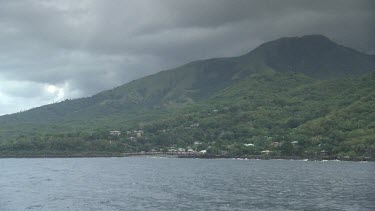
[[55, 50]]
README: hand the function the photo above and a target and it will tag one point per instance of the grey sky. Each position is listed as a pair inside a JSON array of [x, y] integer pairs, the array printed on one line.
[[53, 50]]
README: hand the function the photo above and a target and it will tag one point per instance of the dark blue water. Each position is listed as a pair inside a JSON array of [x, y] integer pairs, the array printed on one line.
[[184, 184]]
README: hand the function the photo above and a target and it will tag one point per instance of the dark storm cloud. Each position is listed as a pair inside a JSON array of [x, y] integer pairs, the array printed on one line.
[[51, 50]]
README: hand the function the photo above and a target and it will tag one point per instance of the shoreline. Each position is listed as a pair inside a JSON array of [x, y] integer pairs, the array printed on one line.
[[193, 156], [75, 155], [274, 157]]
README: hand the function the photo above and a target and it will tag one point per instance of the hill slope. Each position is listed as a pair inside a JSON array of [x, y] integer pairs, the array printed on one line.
[[335, 116]]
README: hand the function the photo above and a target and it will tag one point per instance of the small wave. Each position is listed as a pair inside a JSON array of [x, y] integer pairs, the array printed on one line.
[[330, 160], [303, 160], [38, 206]]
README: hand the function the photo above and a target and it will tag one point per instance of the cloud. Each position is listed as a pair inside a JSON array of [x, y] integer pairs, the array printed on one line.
[[15, 94], [83, 47]]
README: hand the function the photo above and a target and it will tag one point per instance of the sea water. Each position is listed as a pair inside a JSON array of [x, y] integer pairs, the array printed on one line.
[[184, 184]]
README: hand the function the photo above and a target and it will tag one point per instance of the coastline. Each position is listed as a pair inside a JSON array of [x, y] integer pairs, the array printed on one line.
[[61, 155], [192, 156], [274, 157]]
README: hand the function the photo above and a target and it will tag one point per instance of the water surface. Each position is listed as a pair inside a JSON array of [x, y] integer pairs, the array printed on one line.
[[184, 184]]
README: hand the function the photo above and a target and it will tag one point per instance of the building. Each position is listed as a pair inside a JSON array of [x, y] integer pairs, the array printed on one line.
[[203, 151], [266, 152], [115, 132], [249, 145]]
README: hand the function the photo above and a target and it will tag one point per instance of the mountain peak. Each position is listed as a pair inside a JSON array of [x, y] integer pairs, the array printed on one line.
[[314, 55], [306, 42], [311, 37]]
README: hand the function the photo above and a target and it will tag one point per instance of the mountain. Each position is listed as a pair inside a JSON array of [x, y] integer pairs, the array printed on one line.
[[313, 55], [283, 89]]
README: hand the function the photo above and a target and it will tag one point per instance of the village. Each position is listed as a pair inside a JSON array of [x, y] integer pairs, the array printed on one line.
[[194, 149], [134, 135]]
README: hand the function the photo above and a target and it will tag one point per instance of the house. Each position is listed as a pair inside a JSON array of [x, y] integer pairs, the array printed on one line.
[[203, 151], [197, 143], [266, 152], [115, 132], [249, 145], [294, 142], [195, 125]]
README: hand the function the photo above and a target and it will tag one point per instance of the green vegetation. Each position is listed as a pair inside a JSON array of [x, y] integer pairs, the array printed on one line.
[[248, 105]]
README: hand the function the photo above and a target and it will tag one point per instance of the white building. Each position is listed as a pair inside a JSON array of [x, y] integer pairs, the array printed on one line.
[[115, 132], [249, 145], [266, 152]]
